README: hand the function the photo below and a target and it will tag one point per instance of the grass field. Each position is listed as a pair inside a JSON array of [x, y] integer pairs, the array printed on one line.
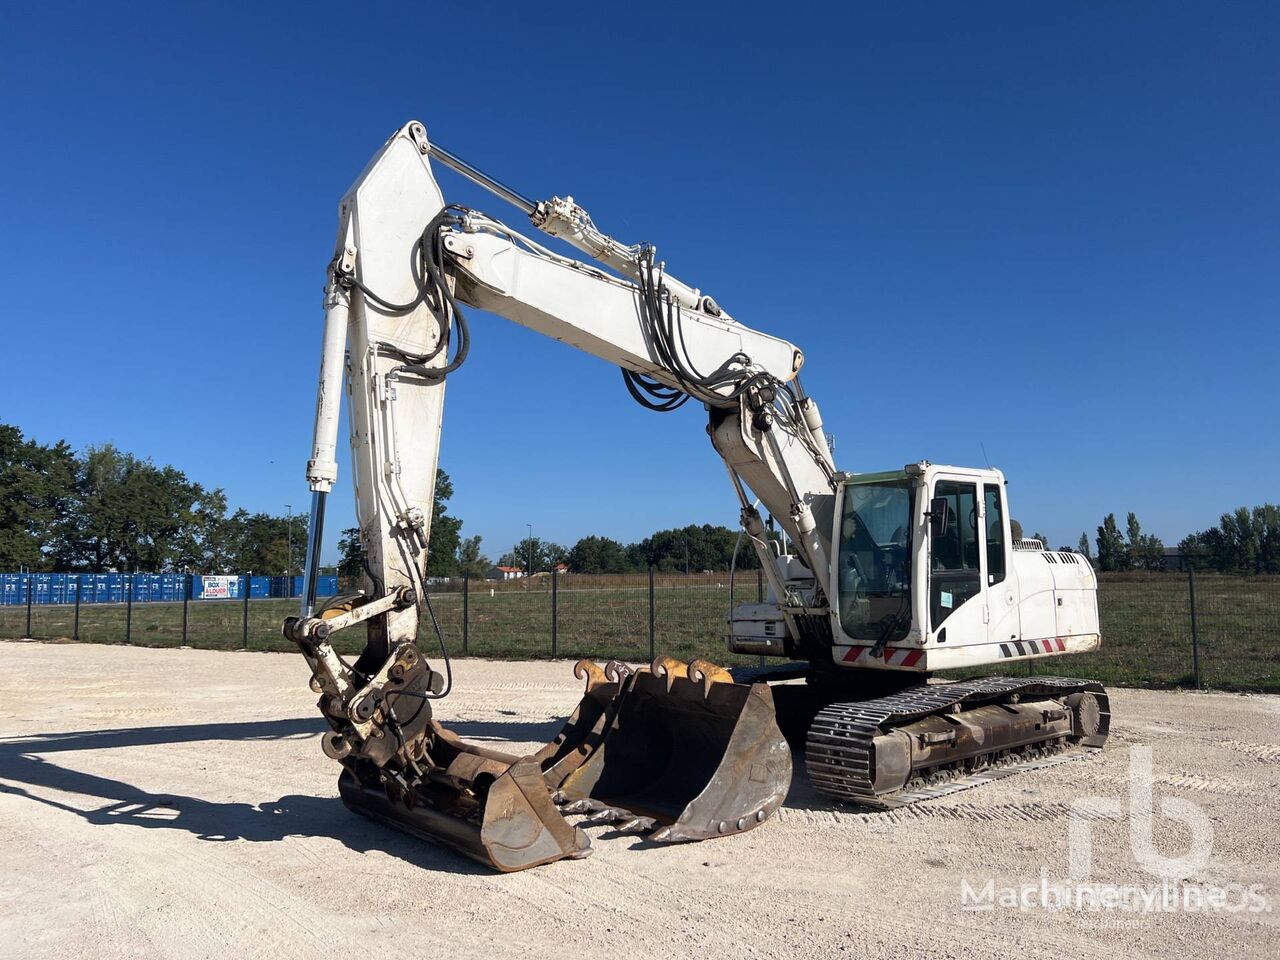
[[1146, 625]]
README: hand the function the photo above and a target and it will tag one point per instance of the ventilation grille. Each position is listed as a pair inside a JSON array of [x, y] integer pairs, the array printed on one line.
[[1062, 557]]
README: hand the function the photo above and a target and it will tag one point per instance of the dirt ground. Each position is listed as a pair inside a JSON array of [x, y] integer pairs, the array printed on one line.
[[175, 803]]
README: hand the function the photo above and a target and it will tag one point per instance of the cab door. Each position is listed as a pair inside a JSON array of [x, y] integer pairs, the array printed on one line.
[[997, 572], [957, 575]]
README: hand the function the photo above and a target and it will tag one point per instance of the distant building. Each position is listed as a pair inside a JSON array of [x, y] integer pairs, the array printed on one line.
[[1174, 560], [561, 568], [504, 573]]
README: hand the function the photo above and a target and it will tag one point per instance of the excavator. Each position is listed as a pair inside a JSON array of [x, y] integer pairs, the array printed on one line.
[[876, 580]]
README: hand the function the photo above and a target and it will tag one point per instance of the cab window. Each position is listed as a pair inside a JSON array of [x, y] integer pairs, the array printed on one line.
[[995, 534], [874, 582]]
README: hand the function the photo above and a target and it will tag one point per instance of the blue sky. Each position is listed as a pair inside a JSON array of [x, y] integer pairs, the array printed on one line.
[[1049, 229]]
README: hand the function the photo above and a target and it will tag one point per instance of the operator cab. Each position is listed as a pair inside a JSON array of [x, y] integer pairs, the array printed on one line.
[[920, 558]]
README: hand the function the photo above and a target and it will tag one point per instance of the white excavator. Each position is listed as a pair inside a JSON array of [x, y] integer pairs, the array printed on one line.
[[884, 579]]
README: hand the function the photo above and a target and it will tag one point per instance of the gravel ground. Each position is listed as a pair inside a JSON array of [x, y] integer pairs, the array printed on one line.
[[175, 803]]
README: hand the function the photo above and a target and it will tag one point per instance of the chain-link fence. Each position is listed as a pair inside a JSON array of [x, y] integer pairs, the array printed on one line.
[[1160, 629]]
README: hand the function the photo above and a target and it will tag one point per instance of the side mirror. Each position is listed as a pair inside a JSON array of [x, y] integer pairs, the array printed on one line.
[[939, 515]]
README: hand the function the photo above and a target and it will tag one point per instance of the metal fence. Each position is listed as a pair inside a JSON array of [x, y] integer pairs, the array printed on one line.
[[149, 609], [1170, 629]]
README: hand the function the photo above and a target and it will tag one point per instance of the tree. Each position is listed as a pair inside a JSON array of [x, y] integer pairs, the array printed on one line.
[[262, 544], [471, 562], [110, 510], [598, 555], [1113, 552], [1146, 552], [37, 499], [351, 562], [132, 515], [208, 543], [1042, 538], [1083, 547], [542, 554], [691, 548], [1245, 541], [446, 532]]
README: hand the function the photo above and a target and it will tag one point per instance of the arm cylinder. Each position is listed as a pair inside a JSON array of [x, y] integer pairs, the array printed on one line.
[[322, 468]]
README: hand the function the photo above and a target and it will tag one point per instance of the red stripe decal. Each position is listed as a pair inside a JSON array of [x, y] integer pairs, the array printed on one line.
[[1062, 644], [853, 654], [912, 658]]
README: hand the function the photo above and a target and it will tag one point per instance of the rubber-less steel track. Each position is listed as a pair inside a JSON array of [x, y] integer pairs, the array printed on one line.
[[840, 755]]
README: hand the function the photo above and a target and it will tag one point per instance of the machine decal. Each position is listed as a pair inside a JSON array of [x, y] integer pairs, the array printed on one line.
[[893, 656], [1022, 648]]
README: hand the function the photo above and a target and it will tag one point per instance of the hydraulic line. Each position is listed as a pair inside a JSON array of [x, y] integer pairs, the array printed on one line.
[[428, 272]]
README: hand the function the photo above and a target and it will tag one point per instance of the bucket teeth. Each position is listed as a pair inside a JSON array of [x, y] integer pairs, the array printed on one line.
[[580, 806], [638, 825]]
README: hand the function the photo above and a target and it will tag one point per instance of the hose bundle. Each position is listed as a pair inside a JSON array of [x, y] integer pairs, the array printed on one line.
[[660, 319]]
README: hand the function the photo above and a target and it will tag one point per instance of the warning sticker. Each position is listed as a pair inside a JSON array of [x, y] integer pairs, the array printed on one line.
[[946, 600]]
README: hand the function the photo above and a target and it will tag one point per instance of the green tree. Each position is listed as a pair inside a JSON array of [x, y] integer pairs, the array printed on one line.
[[1146, 552], [208, 543], [1245, 541], [351, 562], [262, 544], [446, 532], [132, 515], [542, 553], [1083, 546], [1042, 538], [692, 548], [37, 499], [471, 561], [1113, 552], [598, 555]]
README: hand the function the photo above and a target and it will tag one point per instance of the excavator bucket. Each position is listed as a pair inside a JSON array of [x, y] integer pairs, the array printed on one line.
[[487, 805], [677, 752], [680, 752]]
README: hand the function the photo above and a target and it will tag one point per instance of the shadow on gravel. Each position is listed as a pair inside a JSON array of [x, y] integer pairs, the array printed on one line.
[[23, 765]]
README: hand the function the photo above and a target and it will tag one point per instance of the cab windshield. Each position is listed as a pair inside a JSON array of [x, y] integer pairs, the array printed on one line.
[[874, 566]]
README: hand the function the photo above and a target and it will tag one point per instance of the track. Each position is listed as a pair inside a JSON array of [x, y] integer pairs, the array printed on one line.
[[840, 752]]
